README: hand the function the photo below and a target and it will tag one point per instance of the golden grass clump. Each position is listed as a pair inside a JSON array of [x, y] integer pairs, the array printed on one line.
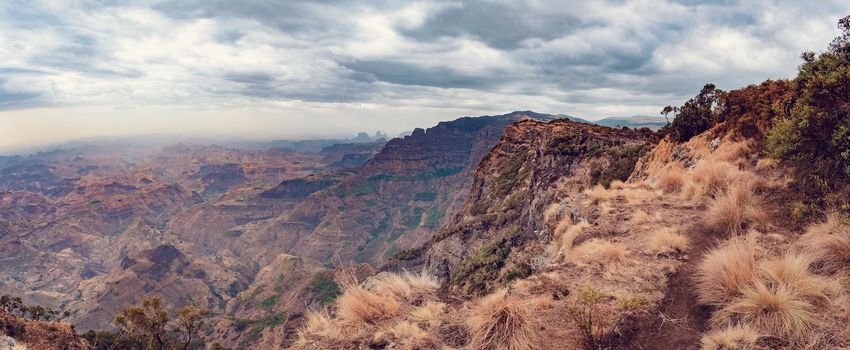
[[828, 243], [636, 196], [598, 194], [403, 285], [318, 324], [668, 241], [409, 334], [552, 212], [766, 163], [601, 251], [777, 310], [617, 185], [725, 271], [738, 337], [733, 152], [640, 217], [735, 209], [502, 322], [564, 241], [792, 271], [358, 305], [429, 313], [672, 180]]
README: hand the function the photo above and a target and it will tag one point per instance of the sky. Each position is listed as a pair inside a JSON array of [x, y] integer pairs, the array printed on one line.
[[298, 69]]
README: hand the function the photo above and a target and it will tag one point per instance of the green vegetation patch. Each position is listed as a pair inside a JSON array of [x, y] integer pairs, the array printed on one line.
[[513, 173], [476, 272], [426, 196], [269, 303], [326, 289], [435, 214], [621, 163], [413, 218]]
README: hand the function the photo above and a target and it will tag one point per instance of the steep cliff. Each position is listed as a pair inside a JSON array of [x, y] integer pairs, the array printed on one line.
[[495, 237]]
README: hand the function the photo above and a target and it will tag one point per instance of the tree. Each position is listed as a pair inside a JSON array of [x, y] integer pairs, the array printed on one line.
[[146, 323], [190, 319], [697, 114]]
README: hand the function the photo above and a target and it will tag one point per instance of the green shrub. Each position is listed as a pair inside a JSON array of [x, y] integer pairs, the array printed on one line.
[[326, 289], [696, 115], [269, 303]]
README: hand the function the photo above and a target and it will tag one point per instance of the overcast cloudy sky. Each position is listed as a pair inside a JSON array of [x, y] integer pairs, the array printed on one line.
[[72, 69]]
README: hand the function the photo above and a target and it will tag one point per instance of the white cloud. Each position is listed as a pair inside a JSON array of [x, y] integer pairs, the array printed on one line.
[[413, 61]]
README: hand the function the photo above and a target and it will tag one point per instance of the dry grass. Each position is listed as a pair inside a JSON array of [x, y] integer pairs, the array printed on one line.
[[636, 196], [552, 212], [828, 243], [734, 210], [766, 163], [725, 271], [598, 194], [740, 337], [672, 180], [640, 217], [563, 225], [502, 322], [403, 285], [733, 152], [792, 272], [775, 310], [429, 313], [409, 334], [320, 324], [358, 306], [600, 251], [564, 241], [668, 241], [617, 185]]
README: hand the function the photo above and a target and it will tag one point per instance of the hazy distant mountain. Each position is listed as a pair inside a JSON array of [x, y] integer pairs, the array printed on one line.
[[637, 121]]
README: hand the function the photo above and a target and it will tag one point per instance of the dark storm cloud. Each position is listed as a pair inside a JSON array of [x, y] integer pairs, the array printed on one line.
[[500, 25], [411, 74]]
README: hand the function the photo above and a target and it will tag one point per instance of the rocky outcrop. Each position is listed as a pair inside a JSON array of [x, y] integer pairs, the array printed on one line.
[[534, 165], [398, 199], [38, 335]]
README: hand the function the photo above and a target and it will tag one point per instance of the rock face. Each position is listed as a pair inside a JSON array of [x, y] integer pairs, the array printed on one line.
[[397, 199], [19, 333], [486, 242]]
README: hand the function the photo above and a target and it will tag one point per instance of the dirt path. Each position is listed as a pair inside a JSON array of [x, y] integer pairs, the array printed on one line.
[[680, 320]]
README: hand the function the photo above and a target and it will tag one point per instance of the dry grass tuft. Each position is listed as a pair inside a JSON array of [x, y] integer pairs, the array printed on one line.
[[792, 272], [318, 324], [564, 241], [598, 194], [775, 310], [601, 251], [358, 306], [502, 322], [672, 180], [617, 185], [725, 271], [636, 196], [766, 163], [668, 241], [640, 217], [828, 243], [553, 211], [733, 152], [409, 334], [740, 337], [429, 313], [403, 285], [734, 210]]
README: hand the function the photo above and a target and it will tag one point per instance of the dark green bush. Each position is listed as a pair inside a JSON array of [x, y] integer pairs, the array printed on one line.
[[696, 115]]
